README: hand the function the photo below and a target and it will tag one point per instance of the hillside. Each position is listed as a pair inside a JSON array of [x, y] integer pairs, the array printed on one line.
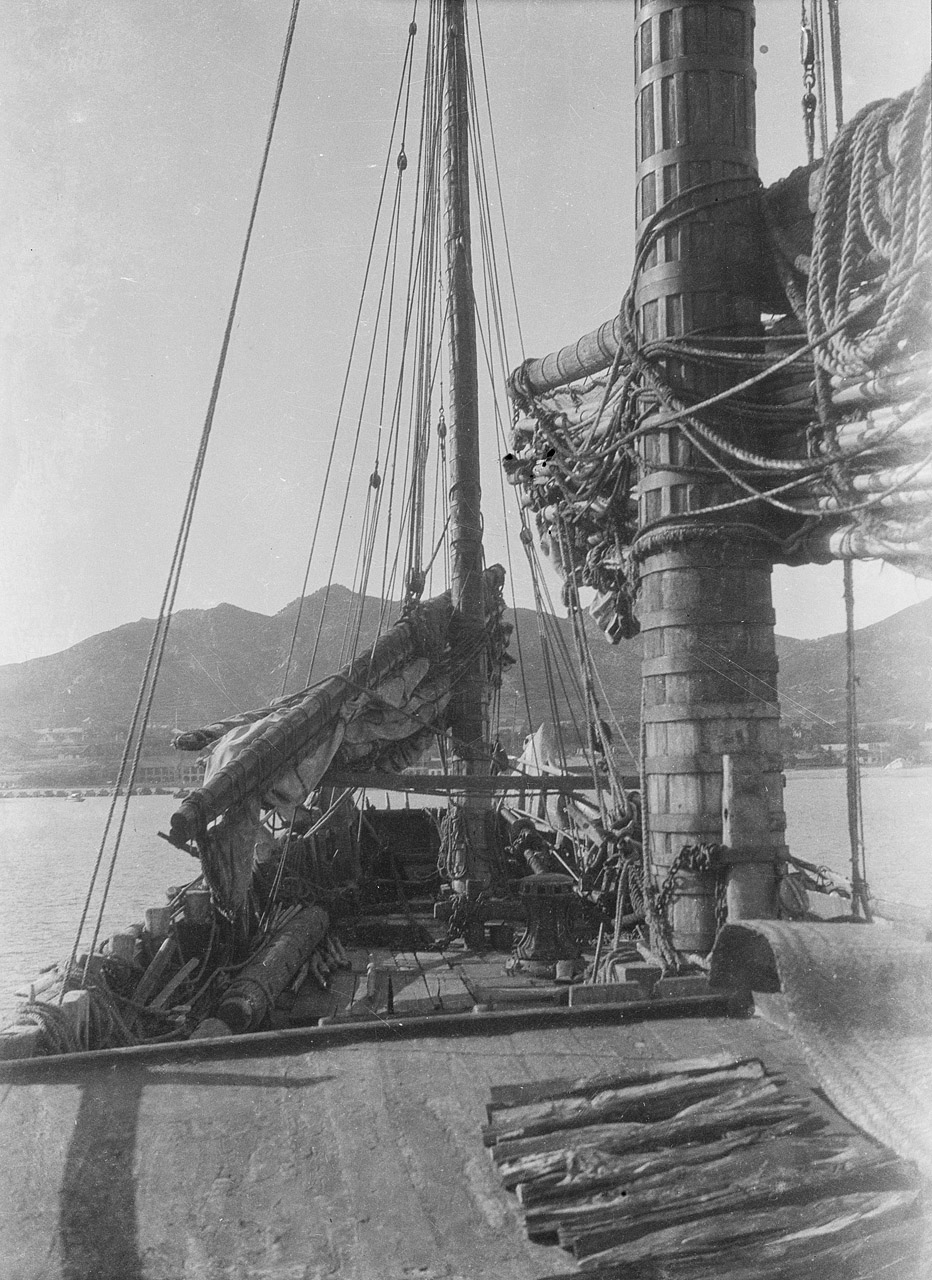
[[225, 659]]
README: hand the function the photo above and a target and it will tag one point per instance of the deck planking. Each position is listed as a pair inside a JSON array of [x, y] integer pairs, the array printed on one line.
[[361, 1160]]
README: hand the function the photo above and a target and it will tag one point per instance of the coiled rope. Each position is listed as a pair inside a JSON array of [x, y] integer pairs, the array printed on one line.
[[855, 235]]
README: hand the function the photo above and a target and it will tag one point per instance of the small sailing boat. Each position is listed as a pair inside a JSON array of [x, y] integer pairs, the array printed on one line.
[[561, 949]]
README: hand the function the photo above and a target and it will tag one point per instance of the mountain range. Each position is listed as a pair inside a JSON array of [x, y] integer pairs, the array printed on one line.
[[225, 659]]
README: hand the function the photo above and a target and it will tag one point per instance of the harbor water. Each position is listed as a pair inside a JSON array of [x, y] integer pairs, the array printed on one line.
[[48, 848]]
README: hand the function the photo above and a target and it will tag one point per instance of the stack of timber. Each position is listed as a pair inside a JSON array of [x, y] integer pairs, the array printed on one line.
[[704, 1168]]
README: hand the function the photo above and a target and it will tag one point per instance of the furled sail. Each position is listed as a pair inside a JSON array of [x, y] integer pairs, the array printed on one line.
[[820, 445], [380, 712]]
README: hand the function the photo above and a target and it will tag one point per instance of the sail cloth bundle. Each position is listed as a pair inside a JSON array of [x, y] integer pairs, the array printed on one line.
[[379, 712]]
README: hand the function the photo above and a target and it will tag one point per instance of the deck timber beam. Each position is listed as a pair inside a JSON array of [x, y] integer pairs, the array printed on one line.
[[503, 1022]]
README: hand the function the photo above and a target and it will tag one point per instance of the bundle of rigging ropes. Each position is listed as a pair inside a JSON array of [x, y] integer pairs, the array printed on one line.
[[823, 446]]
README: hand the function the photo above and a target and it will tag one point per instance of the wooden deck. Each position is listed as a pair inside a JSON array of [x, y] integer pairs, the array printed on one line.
[[299, 1160]]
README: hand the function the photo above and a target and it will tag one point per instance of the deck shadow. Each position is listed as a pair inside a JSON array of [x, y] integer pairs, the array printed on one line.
[[97, 1218]]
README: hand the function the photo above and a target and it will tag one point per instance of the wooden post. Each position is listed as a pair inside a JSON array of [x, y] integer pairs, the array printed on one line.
[[469, 705], [709, 664]]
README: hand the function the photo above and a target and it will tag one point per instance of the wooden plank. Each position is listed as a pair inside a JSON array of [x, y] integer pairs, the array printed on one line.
[[314, 1001], [605, 993], [891, 1253], [548, 1153], [153, 974], [588, 1171], [174, 983], [657, 1100], [516, 1095], [549, 1167], [512, 994], [738, 1099], [858, 1213], [755, 1178]]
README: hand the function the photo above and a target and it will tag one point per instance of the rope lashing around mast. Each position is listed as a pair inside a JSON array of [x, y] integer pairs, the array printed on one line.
[[132, 750], [859, 485]]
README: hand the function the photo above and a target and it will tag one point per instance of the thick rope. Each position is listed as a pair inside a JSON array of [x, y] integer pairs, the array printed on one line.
[[890, 249]]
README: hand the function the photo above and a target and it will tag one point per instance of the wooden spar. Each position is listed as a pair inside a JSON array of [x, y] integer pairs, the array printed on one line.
[[590, 354], [704, 605], [469, 704]]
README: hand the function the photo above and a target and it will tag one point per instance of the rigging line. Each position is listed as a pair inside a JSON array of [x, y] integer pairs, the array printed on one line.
[[498, 328], [859, 894], [392, 256], [757, 697], [550, 623], [160, 631], [563, 647], [834, 36], [419, 409], [811, 347], [360, 577], [545, 647], [392, 233], [389, 584], [376, 505], [573, 609], [771, 688], [611, 711], [426, 256], [486, 222], [349, 364], [429, 586], [500, 433], [819, 42], [498, 182], [160, 634], [511, 580], [216, 683], [766, 495]]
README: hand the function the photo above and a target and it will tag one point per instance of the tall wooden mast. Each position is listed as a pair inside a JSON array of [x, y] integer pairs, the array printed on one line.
[[705, 609], [469, 709]]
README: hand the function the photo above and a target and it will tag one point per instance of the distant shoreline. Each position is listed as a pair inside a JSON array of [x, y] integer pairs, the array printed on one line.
[[62, 793], [65, 793]]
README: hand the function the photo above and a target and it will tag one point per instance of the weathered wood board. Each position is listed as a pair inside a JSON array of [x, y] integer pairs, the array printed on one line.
[[653, 1173]]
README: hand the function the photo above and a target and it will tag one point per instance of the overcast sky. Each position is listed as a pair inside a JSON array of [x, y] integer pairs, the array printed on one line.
[[132, 133]]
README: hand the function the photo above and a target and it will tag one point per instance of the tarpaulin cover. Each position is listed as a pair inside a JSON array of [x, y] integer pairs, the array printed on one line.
[[859, 1000]]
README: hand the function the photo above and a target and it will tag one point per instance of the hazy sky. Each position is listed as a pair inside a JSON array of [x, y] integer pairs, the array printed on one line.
[[131, 136]]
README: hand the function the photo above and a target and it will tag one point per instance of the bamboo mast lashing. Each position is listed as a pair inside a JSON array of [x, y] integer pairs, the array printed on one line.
[[704, 604], [469, 717]]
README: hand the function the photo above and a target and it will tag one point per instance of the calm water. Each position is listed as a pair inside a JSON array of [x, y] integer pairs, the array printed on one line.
[[48, 846]]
